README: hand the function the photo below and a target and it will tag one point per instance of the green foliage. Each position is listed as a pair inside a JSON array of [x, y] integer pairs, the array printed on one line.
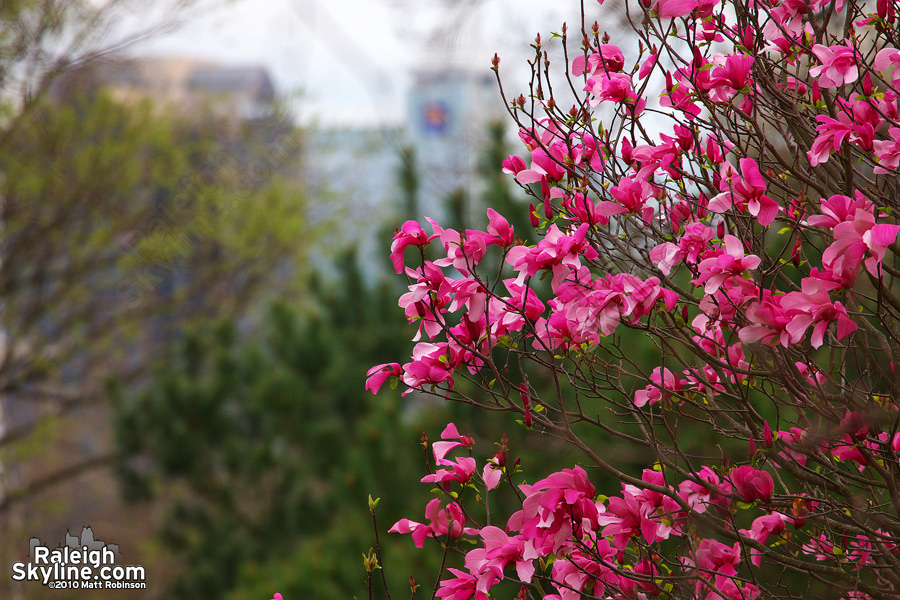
[[271, 442]]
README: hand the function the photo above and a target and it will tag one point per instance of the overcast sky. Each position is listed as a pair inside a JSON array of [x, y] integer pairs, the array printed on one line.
[[351, 59]]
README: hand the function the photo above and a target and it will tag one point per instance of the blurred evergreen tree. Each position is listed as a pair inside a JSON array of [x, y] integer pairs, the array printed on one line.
[[264, 449]]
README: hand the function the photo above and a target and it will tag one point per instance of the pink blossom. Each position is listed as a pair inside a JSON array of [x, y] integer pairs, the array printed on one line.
[[447, 521], [732, 76], [695, 240], [572, 574], [628, 516], [633, 195], [462, 587], [647, 65], [761, 529], [554, 509], [839, 64], [431, 364], [717, 270], [752, 484], [670, 9], [747, 192], [378, 374], [888, 152], [500, 228], [614, 87], [838, 209], [459, 471], [500, 550], [513, 165], [712, 491], [832, 134], [409, 234], [679, 95], [885, 59], [442, 448], [663, 379], [609, 58]]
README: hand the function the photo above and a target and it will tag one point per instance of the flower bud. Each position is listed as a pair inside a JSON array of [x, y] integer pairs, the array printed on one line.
[[370, 561]]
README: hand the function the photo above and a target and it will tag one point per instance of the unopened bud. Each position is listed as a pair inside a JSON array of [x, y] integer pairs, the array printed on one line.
[[412, 584], [370, 561], [768, 440], [551, 103], [495, 62], [867, 85], [573, 112], [720, 230], [532, 216], [523, 593], [605, 38], [537, 41], [564, 29], [596, 28], [585, 43], [521, 100], [424, 440]]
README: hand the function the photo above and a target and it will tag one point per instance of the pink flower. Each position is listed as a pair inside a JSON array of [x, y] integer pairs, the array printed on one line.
[[839, 64], [888, 152], [832, 134], [752, 484], [695, 240], [714, 556], [629, 516], [648, 65], [762, 528], [733, 76], [670, 9], [500, 228], [838, 209], [554, 508], [431, 364], [463, 587], [378, 374], [712, 491], [442, 448], [409, 234], [608, 58], [614, 87], [747, 191], [715, 271], [885, 59], [500, 550], [441, 522], [460, 471], [663, 379]]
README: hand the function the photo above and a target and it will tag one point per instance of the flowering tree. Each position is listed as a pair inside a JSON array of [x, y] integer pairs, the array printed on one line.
[[729, 190]]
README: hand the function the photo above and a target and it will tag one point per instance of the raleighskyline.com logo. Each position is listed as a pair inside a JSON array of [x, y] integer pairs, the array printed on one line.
[[82, 563]]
